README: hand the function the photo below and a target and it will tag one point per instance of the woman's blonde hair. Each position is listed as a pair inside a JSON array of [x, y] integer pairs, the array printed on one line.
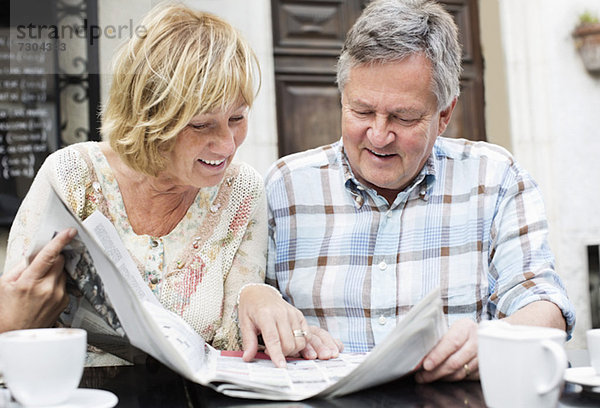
[[184, 63]]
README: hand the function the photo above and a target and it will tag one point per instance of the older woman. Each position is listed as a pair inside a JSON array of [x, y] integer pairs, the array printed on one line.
[[193, 220]]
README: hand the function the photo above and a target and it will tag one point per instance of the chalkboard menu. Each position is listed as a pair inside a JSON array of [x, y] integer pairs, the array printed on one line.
[[28, 116]]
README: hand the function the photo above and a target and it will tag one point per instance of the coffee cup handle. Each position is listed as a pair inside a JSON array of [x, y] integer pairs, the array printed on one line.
[[560, 359]]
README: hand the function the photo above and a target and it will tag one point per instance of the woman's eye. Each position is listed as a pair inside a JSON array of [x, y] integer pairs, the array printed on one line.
[[236, 118], [199, 126]]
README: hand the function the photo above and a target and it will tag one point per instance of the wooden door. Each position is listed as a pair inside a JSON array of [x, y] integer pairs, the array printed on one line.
[[307, 38]]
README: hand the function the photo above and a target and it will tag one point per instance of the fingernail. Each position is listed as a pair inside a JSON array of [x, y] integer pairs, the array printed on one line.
[[311, 354], [427, 365], [335, 353], [281, 364]]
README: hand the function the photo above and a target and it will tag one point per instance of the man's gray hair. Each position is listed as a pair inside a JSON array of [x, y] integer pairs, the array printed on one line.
[[391, 30]]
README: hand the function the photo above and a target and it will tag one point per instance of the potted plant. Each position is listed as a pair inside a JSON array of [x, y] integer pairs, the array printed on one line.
[[587, 40]]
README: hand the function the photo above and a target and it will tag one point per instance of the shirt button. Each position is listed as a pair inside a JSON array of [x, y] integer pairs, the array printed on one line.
[[154, 243], [154, 280], [382, 320], [382, 266]]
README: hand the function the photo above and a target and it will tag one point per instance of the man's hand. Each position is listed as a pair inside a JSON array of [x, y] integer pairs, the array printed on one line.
[[454, 358], [35, 295], [262, 311]]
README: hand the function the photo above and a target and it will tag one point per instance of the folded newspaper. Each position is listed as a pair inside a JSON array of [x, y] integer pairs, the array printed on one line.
[[115, 301]]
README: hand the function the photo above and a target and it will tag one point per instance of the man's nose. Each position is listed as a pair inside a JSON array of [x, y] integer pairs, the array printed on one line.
[[379, 132]]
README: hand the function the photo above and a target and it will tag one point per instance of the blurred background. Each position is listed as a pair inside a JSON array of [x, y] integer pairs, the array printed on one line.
[[531, 84]]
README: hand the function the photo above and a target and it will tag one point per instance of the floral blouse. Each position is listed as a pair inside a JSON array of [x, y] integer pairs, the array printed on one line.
[[198, 269]]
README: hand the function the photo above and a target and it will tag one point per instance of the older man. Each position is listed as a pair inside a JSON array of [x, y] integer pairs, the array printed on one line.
[[362, 229]]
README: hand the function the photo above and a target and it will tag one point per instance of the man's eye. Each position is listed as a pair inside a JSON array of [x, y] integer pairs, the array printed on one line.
[[362, 113], [404, 121], [236, 118]]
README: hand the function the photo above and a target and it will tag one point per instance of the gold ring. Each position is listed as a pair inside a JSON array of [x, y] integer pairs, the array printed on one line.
[[467, 370], [299, 333]]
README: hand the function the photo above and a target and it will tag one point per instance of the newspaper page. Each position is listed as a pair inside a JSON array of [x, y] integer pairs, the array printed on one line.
[[400, 354], [122, 303], [113, 285], [301, 379], [88, 306]]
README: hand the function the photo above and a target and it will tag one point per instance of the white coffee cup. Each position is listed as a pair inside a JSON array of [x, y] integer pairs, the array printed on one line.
[[42, 366], [593, 344], [521, 366]]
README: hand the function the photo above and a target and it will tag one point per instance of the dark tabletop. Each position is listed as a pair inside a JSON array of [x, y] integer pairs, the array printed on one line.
[[151, 384]]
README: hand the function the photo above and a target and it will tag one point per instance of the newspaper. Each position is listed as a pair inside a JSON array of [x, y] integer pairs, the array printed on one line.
[[113, 300]]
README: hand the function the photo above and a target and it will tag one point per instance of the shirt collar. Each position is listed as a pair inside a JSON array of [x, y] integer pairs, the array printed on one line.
[[425, 179]]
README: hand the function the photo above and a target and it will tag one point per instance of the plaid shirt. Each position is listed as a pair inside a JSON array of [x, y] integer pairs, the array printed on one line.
[[472, 223]]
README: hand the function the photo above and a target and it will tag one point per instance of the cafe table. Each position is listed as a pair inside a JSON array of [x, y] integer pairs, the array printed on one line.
[[151, 384]]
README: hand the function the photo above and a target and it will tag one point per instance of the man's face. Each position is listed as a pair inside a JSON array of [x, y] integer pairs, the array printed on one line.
[[390, 122]]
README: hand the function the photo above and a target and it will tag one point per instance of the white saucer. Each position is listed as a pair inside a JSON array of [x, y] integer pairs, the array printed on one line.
[[585, 376], [89, 398]]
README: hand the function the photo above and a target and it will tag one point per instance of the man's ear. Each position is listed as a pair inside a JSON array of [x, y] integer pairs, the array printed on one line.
[[445, 116]]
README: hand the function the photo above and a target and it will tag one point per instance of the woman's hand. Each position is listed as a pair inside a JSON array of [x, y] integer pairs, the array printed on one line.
[[283, 328], [35, 295], [321, 345]]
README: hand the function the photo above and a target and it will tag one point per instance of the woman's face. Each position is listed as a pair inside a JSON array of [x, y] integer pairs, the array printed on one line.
[[205, 148]]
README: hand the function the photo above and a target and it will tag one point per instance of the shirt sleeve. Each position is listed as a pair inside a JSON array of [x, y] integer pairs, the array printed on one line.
[[248, 266], [522, 267], [271, 278], [275, 189]]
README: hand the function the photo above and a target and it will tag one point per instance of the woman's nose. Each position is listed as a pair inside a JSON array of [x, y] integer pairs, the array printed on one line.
[[224, 142]]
